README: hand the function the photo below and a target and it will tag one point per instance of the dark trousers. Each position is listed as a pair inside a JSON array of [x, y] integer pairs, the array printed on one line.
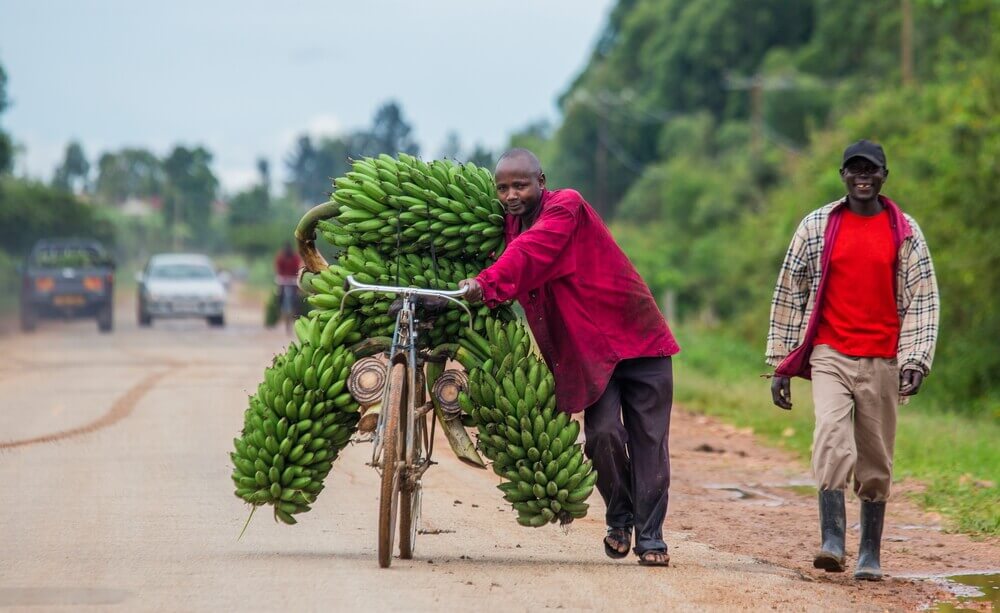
[[627, 430]]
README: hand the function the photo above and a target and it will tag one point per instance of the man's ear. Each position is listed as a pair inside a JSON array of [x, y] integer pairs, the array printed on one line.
[[886, 171], [541, 179]]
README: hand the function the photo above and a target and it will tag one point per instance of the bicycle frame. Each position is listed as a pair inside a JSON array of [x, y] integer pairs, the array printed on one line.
[[403, 348]]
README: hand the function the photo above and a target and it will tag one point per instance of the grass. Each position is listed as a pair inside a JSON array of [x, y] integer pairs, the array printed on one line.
[[955, 457]]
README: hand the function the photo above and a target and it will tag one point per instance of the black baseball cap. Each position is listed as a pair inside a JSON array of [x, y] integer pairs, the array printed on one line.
[[865, 149]]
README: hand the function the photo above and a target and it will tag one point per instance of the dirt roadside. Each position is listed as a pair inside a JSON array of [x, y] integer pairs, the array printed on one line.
[[744, 497]]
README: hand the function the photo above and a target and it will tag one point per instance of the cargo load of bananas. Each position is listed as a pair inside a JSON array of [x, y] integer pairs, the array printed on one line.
[[511, 397], [299, 420], [411, 206], [401, 222]]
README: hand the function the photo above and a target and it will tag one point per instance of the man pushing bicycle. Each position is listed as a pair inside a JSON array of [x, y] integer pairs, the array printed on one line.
[[603, 337]]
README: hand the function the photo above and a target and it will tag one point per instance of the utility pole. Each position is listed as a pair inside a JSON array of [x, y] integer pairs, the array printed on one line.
[[906, 43], [756, 85]]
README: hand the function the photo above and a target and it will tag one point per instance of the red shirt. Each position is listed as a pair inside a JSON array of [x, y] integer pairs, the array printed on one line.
[[287, 265], [859, 315], [586, 305]]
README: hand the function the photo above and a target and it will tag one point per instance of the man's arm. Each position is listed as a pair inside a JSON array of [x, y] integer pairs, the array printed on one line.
[[531, 259], [919, 322], [791, 294]]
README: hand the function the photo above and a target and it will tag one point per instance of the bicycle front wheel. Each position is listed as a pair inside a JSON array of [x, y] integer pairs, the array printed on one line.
[[411, 493], [392, 460]]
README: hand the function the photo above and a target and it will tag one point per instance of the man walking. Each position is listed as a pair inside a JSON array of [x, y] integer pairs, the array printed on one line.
[[602, 335], [856, 310]]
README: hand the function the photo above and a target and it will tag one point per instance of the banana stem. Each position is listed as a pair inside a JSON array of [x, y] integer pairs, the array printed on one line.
[[371, 346], [254, 508], [443, 352], [305, 235]]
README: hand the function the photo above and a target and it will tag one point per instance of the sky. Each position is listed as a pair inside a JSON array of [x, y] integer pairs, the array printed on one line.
[[246, 78]]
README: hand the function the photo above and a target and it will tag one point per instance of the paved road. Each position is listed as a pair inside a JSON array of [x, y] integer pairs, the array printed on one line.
[[114, 482]]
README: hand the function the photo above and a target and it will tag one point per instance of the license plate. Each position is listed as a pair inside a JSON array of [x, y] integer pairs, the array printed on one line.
[[185, 307], [68, 300]]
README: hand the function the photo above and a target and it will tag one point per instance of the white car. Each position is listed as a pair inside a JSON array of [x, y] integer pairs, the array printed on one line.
[[181, 285]]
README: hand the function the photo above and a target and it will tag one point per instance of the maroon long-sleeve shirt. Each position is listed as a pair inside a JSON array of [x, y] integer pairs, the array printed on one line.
[[586, 305]]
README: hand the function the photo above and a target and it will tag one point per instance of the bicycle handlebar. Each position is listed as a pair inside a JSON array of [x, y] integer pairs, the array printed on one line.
[[351, 284]]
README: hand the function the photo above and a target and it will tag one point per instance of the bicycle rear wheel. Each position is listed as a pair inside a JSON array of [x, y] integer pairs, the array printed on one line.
[[411, 494], [392, 460]]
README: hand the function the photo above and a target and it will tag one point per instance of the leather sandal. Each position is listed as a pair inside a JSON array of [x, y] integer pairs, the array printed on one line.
[[654, 557], [617, 536]]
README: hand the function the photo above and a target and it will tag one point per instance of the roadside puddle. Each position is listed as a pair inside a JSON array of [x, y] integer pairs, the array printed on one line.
[[972, 591], [801, 488]]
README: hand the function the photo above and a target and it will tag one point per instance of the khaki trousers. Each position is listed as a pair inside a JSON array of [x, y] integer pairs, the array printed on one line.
[[856, 401]]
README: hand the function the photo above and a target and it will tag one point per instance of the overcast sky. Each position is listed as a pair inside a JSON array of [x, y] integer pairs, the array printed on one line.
[[244, 78]]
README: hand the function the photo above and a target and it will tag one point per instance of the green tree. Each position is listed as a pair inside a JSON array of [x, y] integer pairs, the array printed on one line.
[[452, 147], [253, 206], [481, 156], [478, 155], [312, 167], [6, 146], [72, 174], [536, 136], [749, 141], [30, 210], [390, 133], [192, 188], [129, 173], [659, 60]]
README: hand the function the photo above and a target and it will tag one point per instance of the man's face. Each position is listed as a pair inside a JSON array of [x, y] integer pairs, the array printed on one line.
[[518, 187], [863, 178]]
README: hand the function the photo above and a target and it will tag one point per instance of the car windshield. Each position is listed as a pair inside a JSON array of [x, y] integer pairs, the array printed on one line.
[[181, 271], [60, 257]]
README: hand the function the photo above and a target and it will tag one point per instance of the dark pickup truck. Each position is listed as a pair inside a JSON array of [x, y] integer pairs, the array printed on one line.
[[65, 278]]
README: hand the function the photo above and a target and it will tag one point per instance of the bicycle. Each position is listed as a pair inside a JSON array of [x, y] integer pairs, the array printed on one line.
[[288, 298], [403, 439]]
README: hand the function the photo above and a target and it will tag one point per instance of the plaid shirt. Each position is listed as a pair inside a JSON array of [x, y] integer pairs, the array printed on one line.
[[798, 283]]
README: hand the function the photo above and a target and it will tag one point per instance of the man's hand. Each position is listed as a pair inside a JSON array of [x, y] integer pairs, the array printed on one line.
[[473, 291], [909, 382], [781, 392]]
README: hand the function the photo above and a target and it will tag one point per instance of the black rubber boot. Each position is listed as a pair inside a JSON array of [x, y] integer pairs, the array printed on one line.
[[872, 518], [832, 526]]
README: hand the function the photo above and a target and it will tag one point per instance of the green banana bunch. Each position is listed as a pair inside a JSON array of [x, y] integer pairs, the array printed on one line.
[[391, 214], [406, 204], [299, 420], [368, 265], [511, 398]]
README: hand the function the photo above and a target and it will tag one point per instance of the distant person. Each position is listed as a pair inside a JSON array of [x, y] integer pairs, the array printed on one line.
[[601, 333], [856, 309], [286, 271]]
